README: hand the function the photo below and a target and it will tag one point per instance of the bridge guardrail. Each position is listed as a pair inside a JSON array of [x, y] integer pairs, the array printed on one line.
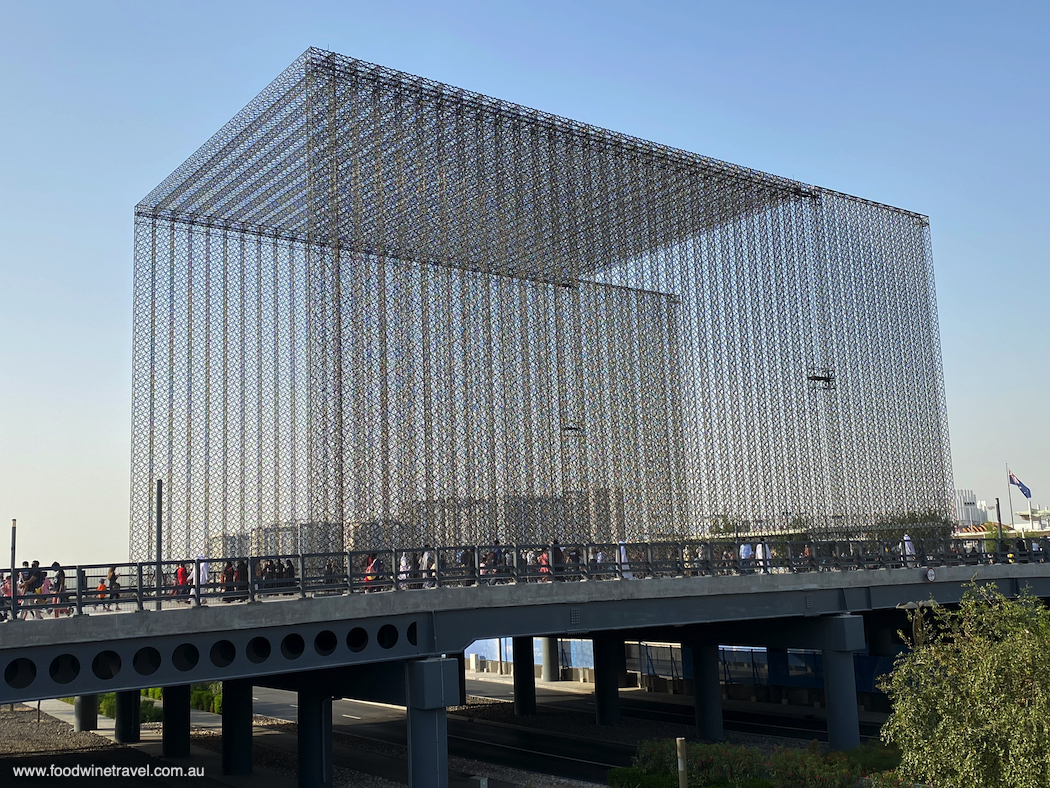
[[123, 587]]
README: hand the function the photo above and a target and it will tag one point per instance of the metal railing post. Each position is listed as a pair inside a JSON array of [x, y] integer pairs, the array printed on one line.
[[80, 590], [302, 576], [349, 573], [138, 588], [251, 580], [197, 582]]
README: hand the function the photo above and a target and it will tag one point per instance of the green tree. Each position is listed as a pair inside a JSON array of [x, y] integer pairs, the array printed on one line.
[[971, 699]]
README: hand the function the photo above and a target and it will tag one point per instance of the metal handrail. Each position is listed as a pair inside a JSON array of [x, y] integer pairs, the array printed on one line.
[[89, 587]]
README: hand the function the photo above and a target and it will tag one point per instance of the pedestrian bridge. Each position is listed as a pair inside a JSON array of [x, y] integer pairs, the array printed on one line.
[[390, 640]]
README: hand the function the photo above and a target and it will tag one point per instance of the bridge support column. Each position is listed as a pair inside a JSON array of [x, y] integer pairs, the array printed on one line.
[[430, 686], [840, 694], [551, 670], [236, 726], [623, 676], [126, 724], [777, 662], [85, 713], [315, 739], [707, 691], [461, 661], [175, 736], [606, 678], [524, 677], [844, 634]]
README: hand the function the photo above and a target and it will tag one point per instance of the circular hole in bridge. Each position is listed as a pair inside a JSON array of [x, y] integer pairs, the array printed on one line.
[[412, 633], [223, 653], [387, 636], [357, 639], [258, 650], [106, 665], [292, 646], [20, 673], [146, 661], [185, 657], [64, 668], [325, 642]]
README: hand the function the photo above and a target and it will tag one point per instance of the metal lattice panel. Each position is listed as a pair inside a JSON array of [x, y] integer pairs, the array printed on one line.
[[378, 310]]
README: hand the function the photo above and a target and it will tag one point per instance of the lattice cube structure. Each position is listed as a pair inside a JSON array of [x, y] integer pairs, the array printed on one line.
[[376, 310]]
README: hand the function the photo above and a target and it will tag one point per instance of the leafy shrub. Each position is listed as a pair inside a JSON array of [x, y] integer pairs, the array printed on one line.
[[735, 766], [656, 757], [633, 777], [971, 699], [107, 704], [149, 712], [874, 757]]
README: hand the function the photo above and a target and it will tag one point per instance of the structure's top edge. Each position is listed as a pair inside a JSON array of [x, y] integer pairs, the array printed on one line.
[[333, 60], [237, 134]]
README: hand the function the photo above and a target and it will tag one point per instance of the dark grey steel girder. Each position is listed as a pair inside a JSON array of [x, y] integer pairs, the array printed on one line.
[[91, 654]]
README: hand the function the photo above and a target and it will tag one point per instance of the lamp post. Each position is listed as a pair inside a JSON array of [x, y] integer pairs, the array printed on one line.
[[14, 592], [999, 518], [159, 579]]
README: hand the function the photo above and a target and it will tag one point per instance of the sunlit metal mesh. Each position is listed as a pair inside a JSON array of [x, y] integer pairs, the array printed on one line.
[[376, 310]]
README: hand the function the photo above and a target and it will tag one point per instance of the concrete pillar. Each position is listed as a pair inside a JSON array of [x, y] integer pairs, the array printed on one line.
[[840, 694], [777, 660], [175, 736], [779, 674], [551, 670], [430, 686], [524, 677], [461, 660], [606, 684], [236, 726], [707, 691], [126, 724], [85, 713], [881, 642], [315, 739], [623, 676]]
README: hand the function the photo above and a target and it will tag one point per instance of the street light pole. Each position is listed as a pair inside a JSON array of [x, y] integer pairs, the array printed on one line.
[[14, 566], [159, 579], [999, 518]]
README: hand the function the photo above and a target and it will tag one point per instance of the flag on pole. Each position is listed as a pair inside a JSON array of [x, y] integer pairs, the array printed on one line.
[[1024, 490]]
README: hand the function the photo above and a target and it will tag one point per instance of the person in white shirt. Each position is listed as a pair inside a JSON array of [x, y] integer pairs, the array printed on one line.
[[907, 551]]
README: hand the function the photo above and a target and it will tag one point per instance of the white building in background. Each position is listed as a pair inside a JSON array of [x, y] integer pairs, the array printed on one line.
[[968, 510]]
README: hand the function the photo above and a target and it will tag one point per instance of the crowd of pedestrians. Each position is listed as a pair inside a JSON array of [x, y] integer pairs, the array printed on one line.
[[41, 592], [34, 589]]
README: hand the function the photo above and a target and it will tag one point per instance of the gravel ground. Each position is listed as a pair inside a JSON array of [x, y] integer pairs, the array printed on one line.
[[20, 734]]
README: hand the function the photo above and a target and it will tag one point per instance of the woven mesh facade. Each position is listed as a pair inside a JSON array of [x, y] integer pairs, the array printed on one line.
[[376, 311]]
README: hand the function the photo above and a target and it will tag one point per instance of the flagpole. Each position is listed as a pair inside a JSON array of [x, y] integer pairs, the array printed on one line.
[[1009, 497]]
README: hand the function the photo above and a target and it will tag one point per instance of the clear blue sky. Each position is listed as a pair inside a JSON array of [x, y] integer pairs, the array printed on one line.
[[938, 107]]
